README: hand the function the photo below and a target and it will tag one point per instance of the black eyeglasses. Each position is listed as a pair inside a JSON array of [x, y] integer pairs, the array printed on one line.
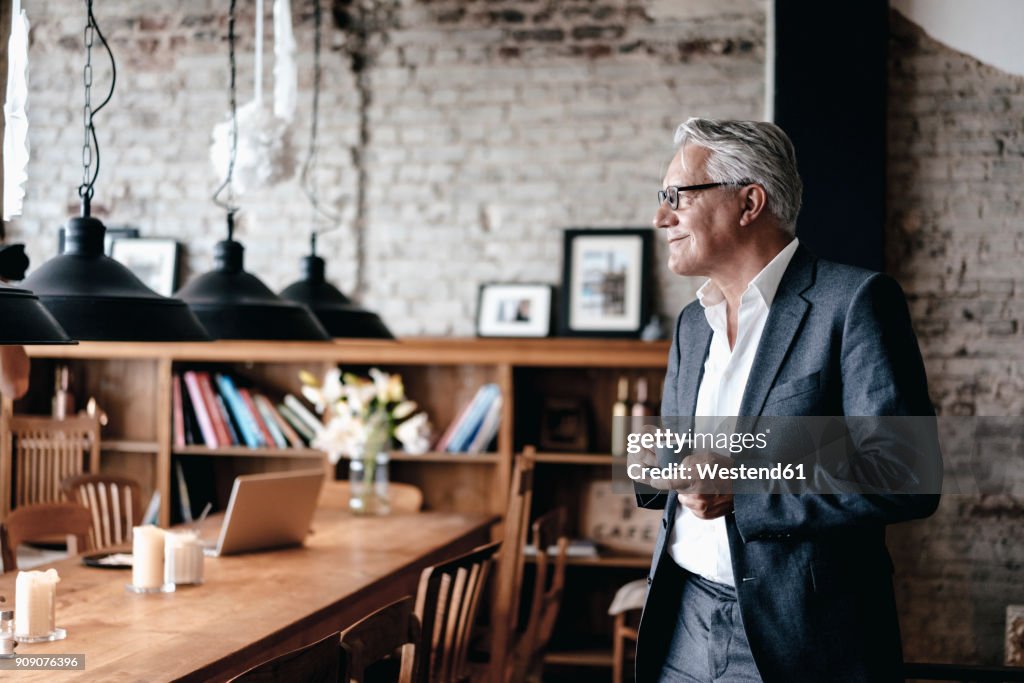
[[672, 192]]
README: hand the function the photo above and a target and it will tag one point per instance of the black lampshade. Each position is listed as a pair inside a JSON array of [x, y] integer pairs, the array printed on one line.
[[24, 319], [234, 304], [335, 311], [95, 298]]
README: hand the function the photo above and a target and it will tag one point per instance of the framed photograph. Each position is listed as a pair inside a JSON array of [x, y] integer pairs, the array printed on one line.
[[154, 261], [605, 285], [514, 310]]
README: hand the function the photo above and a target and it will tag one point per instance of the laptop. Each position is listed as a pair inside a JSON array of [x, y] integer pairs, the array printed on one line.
[[271, 510]]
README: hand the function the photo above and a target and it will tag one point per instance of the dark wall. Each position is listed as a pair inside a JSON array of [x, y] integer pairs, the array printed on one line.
[[830, 97]]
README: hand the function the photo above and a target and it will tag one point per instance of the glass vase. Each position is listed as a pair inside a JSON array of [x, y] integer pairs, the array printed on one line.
[[368, 484]]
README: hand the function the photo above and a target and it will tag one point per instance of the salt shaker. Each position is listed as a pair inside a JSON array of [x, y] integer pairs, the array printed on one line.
[[7, 641]]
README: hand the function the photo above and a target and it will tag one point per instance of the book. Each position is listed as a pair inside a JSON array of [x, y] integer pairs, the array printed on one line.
[[474, 416], [193, 435], [442, 443], [152, 514], [297, 424], [229, 421], [220, 428], [265, 435], [268, 413], [488, 428], [301, 412], [199, 406], [246, 427], [286, 429], [178, 412]]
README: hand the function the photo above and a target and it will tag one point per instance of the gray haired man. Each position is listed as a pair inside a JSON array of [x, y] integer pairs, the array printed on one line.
[[776, 588]]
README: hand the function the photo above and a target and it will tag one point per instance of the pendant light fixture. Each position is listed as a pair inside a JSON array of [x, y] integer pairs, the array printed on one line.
[[230, 302], [92, 296], [23, 320], [335, 311]]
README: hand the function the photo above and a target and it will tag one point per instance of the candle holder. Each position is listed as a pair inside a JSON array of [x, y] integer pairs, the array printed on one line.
[[55, 634], [165, 588]]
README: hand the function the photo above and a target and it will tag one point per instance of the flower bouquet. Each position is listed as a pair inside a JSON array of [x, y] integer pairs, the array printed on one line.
[[365, 416]]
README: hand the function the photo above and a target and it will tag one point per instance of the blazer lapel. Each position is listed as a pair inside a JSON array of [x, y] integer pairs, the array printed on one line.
[[780, 330], [691, 365]]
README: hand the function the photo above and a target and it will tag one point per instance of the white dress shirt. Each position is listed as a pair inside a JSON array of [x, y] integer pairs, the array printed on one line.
[[698, 545]]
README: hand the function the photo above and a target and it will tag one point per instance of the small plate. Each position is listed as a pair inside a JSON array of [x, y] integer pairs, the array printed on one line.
[[108, 560]]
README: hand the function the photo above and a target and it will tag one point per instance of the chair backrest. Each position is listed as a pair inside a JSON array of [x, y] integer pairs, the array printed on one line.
[[505, 608], [46, 451], [552, 543], [446, 603], [401, 497], [321, 662], [380, 635], [44, 519], [115, 503]]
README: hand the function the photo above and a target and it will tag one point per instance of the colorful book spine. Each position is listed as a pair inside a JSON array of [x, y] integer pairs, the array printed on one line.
[[488, 428], [303, 413], [268, 438], [296, 422], [199, 406], [267, 412], [289, 433], [228, 420], [469, 425], [250, 433], [213, 409]]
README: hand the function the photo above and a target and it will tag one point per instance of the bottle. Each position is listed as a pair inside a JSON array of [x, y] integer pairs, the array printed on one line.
[[641, 408], [620, 413], [63, 404]]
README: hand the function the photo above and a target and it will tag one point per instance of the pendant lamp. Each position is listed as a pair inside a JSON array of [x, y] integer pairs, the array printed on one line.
[[339, 315], [92, 296], [23, 320], [230, 302]]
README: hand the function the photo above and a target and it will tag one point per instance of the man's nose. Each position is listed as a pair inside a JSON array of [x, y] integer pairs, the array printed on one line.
[[665, 217]]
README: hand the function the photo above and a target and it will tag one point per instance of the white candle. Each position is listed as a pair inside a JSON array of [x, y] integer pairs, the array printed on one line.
[[183, 558], [35, 601], [147, 556]]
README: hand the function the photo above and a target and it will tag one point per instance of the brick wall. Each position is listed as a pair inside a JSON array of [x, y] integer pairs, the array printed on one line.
[[956, 240], [491, 127]]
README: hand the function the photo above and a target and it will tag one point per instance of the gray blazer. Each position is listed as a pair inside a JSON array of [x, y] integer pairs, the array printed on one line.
[[814, 578]]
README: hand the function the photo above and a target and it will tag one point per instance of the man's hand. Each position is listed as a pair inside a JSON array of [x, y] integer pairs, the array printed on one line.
[[648, 458], [707, 499]]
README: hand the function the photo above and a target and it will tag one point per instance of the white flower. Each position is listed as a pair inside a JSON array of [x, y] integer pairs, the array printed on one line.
[[342, 435], [403, 410], [414, 434]]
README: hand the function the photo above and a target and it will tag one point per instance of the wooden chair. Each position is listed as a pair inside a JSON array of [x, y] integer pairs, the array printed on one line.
[[446, 604], [626, 605], [505, 608], [380, 635], [115, 503], [321, 662], [46, 451], [402, 497], [528, 657], [44, 519]]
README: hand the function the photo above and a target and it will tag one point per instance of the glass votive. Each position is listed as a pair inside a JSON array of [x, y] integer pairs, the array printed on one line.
[[35, 607], [148, 561], [183, 558]]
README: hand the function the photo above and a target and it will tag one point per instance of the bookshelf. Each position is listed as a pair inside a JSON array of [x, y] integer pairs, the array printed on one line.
[[132, 383]]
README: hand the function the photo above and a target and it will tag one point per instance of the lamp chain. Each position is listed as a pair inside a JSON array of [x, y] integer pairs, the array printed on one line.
[[307, 181], [229, 205], [90, 145]]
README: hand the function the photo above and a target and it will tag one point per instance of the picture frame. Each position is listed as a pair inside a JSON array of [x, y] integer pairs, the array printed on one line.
[[514, 310], [605, 282], [154, 261], [564, 425]]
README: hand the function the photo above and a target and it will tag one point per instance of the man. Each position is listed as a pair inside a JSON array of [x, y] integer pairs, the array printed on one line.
[[780, 588]]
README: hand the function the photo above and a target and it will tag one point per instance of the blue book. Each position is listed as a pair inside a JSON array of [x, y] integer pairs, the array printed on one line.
[[246, 424], [474, 418]]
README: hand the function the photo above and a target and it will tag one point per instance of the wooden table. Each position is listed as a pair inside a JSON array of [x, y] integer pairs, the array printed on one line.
[[251, 607]]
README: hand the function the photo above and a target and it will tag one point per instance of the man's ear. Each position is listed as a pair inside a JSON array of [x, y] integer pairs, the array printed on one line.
[[753, 201]]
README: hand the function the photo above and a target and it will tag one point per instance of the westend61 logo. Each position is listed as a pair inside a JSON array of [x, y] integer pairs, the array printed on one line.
[[666, 439]]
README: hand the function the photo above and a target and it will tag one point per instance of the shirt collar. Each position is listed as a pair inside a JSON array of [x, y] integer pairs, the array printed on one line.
[[765, 283]]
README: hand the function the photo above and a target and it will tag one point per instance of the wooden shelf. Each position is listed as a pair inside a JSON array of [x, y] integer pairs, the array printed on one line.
[[585, 353], [575, 458], [594, 658], [460, 458], [249, 452], [128, 446]]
